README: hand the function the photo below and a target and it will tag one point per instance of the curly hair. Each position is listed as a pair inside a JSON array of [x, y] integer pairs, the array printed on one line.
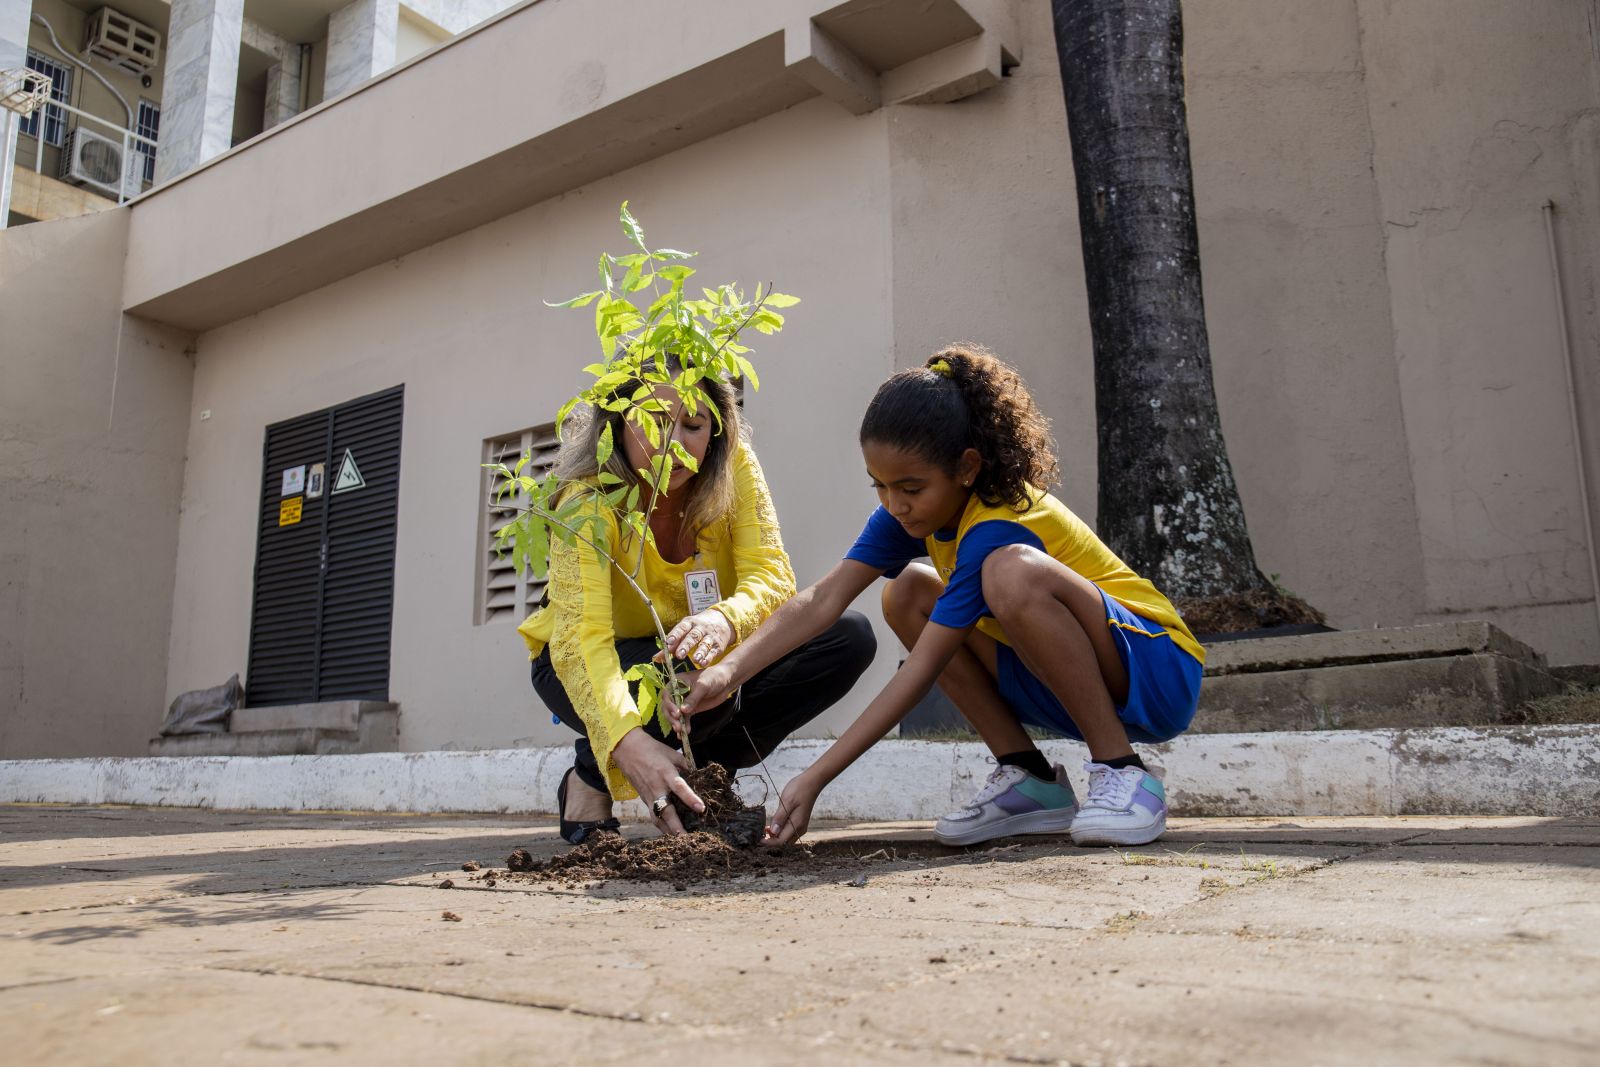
[[966, 397]]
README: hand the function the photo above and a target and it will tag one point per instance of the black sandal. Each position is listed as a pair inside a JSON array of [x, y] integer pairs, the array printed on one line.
[[574, 833]]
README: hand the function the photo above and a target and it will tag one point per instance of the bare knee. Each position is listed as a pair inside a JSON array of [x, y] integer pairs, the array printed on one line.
[[1014, 578], [908, 598]]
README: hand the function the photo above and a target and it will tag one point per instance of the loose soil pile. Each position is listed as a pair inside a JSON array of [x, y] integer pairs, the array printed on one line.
[[692, 857], [1258, 609], [724, 842], [704, 857]]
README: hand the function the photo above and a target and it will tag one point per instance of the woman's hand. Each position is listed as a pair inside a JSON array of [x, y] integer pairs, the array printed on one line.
[[700, 638], [656, 771], [707, 689], [794, 810]]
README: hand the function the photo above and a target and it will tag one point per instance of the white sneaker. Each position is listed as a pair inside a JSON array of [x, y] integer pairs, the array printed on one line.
[[1124, 806], [1012, 801]]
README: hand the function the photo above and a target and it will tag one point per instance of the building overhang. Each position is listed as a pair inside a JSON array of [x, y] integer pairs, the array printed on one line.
[[545, 98]]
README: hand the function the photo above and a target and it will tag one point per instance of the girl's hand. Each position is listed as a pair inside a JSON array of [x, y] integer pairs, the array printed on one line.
[[656, 771], [707, 689], [700, 638], [794, 811]]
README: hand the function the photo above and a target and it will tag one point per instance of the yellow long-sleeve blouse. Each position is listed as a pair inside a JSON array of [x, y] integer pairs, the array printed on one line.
[[592, 606]]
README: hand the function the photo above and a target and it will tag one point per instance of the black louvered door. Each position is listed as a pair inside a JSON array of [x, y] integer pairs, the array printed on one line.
[[324, 582]]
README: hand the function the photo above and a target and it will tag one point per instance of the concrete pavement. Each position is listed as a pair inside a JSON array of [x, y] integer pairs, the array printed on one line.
[[175, 936]]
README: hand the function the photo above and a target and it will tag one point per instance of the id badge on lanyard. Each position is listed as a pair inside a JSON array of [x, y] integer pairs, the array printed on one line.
[[702, 589]]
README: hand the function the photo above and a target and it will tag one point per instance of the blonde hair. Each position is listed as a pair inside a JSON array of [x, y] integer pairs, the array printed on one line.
[[710, 494]]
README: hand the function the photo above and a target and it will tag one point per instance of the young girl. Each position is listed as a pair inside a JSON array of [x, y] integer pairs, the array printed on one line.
[[1025, 617]]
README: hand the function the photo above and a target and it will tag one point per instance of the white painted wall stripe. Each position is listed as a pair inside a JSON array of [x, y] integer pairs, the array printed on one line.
[[1550, 770]]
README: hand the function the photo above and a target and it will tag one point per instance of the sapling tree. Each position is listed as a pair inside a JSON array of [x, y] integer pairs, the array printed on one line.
[[668, 345]]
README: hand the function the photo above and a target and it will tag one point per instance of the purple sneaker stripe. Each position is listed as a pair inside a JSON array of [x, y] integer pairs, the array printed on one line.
[[1149, 802], [1013, 802]]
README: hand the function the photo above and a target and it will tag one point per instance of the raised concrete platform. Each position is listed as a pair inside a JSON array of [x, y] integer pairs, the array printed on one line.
[[333, 728], [1546, 770], [1451, 674]]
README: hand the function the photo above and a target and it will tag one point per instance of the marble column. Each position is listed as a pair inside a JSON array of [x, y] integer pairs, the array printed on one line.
[[283, 92], [201, 77], [283, 77], [14, 33], [361, 40]]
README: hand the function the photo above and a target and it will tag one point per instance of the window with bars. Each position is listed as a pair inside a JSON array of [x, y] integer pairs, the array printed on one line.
[[149, 124], [505, 595], [55, 120]]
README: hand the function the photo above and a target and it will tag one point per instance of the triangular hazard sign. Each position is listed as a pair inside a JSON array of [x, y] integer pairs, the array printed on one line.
[[349, 475]]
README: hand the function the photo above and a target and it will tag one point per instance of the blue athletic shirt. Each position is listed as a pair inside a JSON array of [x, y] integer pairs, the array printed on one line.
[[1047, 525]]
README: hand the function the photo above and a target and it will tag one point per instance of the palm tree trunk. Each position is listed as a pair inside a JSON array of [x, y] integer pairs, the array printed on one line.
[[1168, 503]]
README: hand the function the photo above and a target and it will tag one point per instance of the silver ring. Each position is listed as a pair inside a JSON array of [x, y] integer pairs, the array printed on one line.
[[661, 804]]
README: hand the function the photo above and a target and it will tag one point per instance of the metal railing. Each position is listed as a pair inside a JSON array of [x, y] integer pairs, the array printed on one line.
[[130, 159]]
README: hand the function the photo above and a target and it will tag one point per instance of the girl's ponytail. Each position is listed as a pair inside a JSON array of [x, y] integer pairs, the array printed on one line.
[[964, 397]]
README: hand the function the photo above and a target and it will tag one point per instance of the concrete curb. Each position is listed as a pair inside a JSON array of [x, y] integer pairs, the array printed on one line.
[[1545, 770]]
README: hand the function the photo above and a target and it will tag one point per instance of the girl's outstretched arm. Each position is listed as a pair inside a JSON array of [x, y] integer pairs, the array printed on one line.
[[933, 652], [805, 615]]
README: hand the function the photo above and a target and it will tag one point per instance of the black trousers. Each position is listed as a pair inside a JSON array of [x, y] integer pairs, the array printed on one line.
[[768, 708]]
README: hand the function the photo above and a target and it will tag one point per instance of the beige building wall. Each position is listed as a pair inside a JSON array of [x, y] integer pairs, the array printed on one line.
[[1377, 373], [1297, 301], [1482, 113], [1370, 180], [463, 326], [93, 409]]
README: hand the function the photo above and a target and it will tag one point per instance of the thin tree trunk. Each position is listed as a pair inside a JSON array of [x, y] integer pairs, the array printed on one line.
[[1168, 503]]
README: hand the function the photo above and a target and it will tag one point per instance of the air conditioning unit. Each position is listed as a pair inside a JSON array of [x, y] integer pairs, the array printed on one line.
[[98, 162], [122, 41]]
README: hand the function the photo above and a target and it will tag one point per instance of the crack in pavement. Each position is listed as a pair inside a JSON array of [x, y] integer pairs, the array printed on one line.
[[565, 1009]]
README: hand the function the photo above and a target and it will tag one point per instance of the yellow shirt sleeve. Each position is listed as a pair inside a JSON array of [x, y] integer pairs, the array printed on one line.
[[763, 576], [583, 650]]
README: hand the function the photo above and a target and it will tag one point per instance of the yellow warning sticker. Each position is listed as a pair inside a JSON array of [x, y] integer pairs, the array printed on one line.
[[289, 511]]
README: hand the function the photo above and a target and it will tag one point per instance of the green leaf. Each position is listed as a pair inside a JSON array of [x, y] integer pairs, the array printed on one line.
[[605, 272], [604, 449], [631, 227], [747, 371], [652, 428], [539, 559], [630, 281], [566, 409], [781, 300], [675, 273], [683, 457], [581, 300], [673, 253]]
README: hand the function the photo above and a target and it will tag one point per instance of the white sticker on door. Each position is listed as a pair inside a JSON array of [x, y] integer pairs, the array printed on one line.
[[349, 476]]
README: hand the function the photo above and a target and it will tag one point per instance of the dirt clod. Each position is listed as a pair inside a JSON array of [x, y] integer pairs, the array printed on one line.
[[726, 815], [450, 917], [470, 865], [447, 884], [520, 860]]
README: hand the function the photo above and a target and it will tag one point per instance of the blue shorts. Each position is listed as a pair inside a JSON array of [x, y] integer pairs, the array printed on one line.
[[1163, 682]]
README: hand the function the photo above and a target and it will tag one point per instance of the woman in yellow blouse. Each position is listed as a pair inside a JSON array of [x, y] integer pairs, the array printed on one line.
[[715, 571]]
